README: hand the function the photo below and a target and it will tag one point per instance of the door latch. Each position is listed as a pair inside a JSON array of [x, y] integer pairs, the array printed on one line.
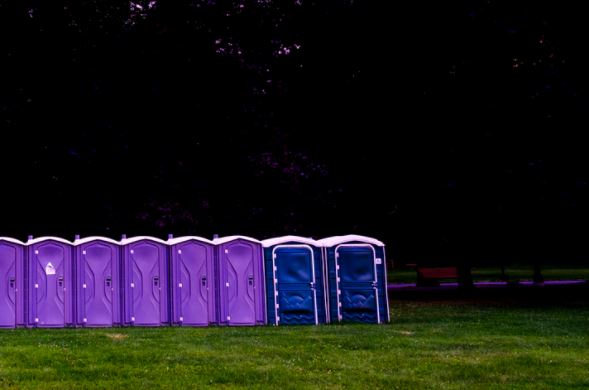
[[11, 282], [108, 281], [203, 281], [60, 281], [156, 281], [250, 280]]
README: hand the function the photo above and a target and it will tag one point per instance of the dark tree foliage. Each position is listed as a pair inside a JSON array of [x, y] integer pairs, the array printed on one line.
[[454, 132]]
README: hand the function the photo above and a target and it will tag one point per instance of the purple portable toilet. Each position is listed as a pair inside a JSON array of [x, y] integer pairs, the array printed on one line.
[[241, 281], [98, 294], [12, 303], [50, 298], [193, 281], [145, 281]]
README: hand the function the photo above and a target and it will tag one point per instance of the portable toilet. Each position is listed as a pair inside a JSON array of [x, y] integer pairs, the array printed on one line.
[[98, 293], [12, 287], [357, 278], [295, 281], [240, 268], [145, 281], [193, 284], [50, 283]]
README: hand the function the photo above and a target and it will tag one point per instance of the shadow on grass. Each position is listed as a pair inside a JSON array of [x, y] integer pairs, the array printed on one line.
[[572, 295]]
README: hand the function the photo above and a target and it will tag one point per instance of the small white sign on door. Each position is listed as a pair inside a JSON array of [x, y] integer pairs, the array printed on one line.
[[50, 269], [378, 260]]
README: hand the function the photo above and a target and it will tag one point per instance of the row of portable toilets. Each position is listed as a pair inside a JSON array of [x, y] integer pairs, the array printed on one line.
[[191, 281]]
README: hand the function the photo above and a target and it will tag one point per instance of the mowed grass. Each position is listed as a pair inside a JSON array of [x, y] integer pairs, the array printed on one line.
[[427, 345]]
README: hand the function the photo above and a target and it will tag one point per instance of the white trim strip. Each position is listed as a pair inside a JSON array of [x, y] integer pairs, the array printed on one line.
[[288, 239], [223, 240], [12, 240], [336, 240], [179, 240], [49, 238], [131, 240], [95, 238]]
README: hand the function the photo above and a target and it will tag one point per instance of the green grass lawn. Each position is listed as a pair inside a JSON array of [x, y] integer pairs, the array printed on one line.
[[427, 345], [494, 274]]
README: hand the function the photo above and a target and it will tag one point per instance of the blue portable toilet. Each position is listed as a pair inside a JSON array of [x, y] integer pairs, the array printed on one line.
[[357, 278], [295, 281], [98, 292], [50, 282], [12, 287]]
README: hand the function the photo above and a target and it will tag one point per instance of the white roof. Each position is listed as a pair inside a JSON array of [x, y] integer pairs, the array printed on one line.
[[178, 240], [140, 238], [49, 238], [223, 240], [12, 240], [95, 238], [335, 240], [281, 240]]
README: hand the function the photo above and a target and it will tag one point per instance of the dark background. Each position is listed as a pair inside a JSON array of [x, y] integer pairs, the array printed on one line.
[[452, 131]]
